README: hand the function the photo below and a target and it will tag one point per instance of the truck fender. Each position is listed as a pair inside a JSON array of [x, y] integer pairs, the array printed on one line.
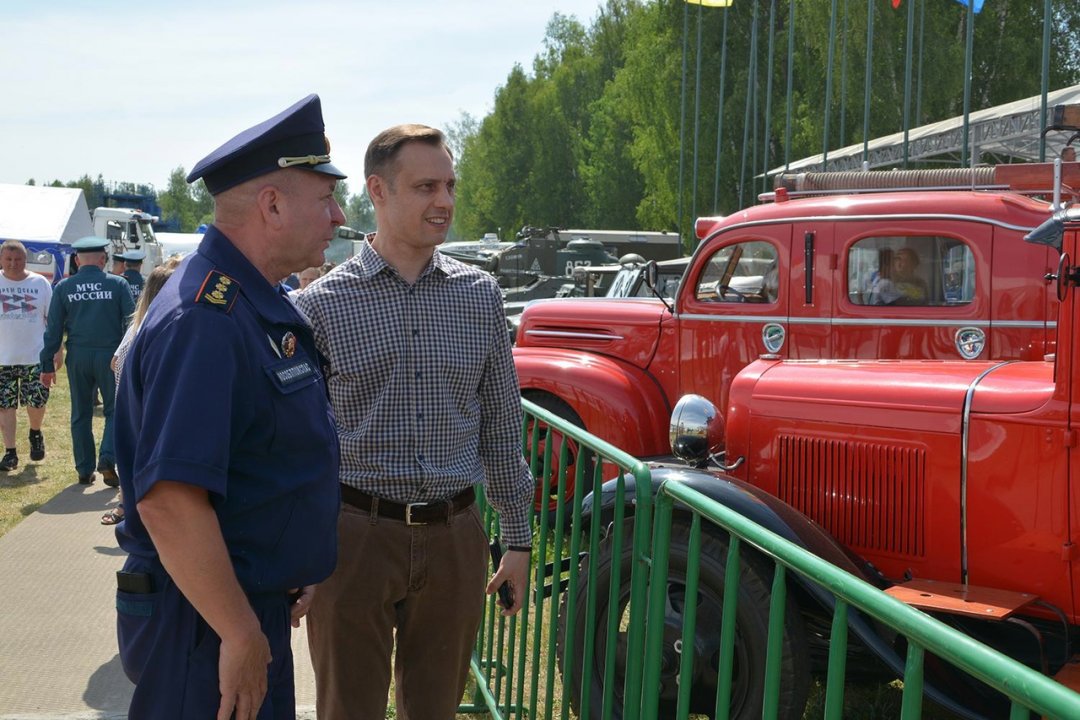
[[779, 517], [615, 400]]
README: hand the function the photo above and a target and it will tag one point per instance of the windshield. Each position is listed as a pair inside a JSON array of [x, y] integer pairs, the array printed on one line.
[[146, 232]]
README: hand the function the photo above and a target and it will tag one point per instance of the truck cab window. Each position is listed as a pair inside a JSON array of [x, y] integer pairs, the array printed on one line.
[[924, 271], [742, 272]]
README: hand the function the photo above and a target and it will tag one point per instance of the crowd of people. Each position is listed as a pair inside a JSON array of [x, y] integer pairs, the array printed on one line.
[[268, 440]]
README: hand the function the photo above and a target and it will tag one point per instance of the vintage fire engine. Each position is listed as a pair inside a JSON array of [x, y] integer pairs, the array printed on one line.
[[835, 265], [949, 484]]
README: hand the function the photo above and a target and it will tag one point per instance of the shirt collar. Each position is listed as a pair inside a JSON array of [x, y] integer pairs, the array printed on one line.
[[371, 263]]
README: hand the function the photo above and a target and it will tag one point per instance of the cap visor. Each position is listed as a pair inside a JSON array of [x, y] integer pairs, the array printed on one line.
[[326, 169]]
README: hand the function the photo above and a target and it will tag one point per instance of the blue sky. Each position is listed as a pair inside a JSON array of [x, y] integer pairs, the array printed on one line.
[[133, 90]]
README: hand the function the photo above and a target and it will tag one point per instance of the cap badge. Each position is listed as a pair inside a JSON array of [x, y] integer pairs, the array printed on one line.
[[288, 344]]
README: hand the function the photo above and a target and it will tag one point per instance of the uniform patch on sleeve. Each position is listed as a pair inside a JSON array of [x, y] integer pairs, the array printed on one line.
[[218, 290]]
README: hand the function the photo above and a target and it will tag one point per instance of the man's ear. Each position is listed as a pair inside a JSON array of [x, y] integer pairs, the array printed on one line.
[[271, 203], [377, 189]]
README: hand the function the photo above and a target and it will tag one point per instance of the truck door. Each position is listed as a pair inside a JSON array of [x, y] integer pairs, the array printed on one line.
[[813, 266], [1023, 312], [913, 289], [733, 307]]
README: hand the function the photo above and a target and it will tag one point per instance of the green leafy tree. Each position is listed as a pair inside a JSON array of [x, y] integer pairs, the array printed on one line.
[[359, 212], [177, 202]]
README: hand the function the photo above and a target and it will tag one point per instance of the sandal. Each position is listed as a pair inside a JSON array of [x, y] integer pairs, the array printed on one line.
[[113, 516]]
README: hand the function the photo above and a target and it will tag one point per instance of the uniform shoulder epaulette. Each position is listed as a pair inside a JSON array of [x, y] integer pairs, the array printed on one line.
[[218, 290]]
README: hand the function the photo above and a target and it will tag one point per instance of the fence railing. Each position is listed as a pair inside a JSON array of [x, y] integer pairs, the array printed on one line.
[[618, 625]]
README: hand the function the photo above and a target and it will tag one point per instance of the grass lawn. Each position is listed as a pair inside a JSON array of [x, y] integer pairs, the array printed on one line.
[[32, 484]]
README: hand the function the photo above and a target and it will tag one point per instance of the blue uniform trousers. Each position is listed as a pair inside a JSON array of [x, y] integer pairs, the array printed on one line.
[[171, 655], [88, 368]]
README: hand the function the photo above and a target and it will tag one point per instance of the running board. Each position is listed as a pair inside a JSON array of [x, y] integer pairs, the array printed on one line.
[[958, 599]]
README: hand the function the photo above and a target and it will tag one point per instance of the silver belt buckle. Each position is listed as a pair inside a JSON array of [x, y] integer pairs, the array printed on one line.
[[408, 513]]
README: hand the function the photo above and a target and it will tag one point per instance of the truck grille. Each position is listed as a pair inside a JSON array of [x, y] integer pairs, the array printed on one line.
[[869, 496]]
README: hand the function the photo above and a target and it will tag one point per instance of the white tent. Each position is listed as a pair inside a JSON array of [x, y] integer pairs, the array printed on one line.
[[45, 220], [43, 214], [1006, 133]]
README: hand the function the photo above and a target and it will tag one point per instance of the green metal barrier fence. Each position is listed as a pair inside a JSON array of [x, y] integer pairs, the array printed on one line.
[[514, 663], [595, 639], [1025, 688]]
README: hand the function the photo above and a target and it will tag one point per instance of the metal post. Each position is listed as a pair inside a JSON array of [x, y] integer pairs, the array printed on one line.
[[867, 79], [720, 113], [682, 116], [828, 88], [790, 82], [968, 51], [909, 43], [697, 119]]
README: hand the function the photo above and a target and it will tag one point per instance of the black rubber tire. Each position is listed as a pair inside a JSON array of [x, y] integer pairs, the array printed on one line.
[[750, 640], [546, 511]]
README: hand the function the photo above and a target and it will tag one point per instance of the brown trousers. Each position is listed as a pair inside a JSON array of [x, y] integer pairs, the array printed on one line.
[[427, 582]]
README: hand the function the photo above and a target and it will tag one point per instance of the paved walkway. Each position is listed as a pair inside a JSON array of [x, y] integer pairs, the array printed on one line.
[[58, 654]]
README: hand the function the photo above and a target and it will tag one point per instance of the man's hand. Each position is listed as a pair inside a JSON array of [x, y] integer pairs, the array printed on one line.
[[302, 604], [513, 569], [242, 674], [47, 379]]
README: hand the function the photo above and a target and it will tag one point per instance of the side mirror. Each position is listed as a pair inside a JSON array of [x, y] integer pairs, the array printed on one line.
[[652, 275], [696, 430]]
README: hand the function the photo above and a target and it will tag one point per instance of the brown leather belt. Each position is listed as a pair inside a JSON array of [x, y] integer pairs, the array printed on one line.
[[409, 513]]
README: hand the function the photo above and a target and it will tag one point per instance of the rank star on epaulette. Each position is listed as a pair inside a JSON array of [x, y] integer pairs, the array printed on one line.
[[218, 290]]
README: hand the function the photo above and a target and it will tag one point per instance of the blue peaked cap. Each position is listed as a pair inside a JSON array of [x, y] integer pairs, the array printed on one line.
[[292, 138], [90, 243]]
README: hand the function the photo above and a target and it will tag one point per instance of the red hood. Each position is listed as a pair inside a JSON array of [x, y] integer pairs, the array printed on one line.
[[626, 328], [917, 395]]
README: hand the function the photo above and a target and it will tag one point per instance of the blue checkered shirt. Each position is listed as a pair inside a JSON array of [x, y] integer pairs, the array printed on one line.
[[423, 385]]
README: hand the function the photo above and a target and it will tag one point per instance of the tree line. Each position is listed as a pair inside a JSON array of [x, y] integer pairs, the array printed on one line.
[[595, 134], [603, 131]]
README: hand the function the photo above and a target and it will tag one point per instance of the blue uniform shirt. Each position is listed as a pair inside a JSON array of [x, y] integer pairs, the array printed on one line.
[[223, 389], [93, 307], [135, 280]]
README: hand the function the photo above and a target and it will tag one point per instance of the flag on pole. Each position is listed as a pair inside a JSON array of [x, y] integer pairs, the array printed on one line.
[[895, 4], [723, 3], [976, 4]]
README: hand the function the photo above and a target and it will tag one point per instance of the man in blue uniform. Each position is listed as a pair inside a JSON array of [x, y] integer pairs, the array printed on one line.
[[133, 260], [93, 309], [232, 497]]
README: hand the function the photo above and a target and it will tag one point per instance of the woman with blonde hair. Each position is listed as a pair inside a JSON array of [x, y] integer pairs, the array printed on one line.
[[154, 282]]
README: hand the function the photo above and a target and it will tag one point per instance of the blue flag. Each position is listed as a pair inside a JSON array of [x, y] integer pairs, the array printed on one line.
[[977, 4]]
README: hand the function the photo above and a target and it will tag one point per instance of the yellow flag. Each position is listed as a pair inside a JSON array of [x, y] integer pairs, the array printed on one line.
[[710, 3]]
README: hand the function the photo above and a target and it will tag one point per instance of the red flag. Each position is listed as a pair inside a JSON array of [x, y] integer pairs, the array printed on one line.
[[895, 4]]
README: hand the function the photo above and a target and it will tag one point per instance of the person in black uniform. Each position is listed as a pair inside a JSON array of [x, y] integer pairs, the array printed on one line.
[[133, 260], [231, 501], [93, 309]]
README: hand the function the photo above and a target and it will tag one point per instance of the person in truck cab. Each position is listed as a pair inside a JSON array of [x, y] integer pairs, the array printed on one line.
[[902, 285]]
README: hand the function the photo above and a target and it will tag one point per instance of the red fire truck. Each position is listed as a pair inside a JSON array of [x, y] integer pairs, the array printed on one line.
[[897, 265], [949, 484]]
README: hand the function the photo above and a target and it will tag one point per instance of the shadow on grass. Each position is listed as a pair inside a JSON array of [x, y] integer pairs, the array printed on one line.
[[24, 477]]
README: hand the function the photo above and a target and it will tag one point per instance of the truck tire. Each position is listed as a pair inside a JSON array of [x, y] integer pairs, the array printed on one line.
[[546, 501], [751, 636]]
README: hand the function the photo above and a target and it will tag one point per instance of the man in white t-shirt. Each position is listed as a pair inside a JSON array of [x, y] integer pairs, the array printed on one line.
[[24, 303]]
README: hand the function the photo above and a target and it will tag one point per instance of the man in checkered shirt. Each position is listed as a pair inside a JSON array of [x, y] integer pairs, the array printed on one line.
[[422, 381]]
